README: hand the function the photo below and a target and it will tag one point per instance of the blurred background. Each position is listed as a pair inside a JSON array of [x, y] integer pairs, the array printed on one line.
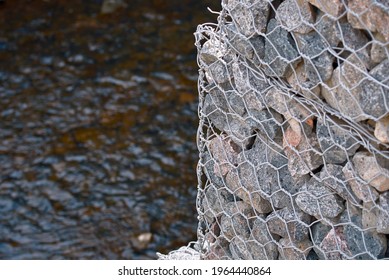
[[98, 120]]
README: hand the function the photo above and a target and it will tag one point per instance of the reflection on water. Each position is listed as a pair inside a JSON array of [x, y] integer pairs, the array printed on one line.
[[98, 117]]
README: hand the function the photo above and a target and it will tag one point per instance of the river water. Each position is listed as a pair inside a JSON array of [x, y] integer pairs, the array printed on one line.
[[98, 118]]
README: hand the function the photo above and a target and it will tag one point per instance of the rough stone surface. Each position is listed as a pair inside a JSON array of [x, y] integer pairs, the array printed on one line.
[[265, 246], [369, 215], [291, 250], [381, 131], [317, 59], [332, 177], [289, 224], [219, 250], [249, 18], [334, 245], [369, 170], [215, 108], [236, 220], [371, 15], [280, 51], [215, 200], [239, 249], [333, 7], [295, 15], [383, 214], [209, 169], [317, 200], [212, 50], [267, 122], [300, 82], [217, 72], [379, 50], [361, 190], [328, 29], [318, 232], [336, 143]]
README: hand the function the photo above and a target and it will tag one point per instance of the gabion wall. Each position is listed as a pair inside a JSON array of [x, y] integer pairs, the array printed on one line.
[[294, 130]]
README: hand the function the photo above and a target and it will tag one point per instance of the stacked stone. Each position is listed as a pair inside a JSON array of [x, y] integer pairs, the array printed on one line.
[[294, 130]]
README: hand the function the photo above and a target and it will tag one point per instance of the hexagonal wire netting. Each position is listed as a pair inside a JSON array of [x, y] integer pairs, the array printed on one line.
[[294, 131]]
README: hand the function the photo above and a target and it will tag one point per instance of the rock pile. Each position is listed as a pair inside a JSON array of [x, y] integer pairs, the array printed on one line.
[[294, 130]]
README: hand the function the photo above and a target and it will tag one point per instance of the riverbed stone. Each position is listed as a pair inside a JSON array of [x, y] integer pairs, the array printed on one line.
[[368, 169], [381, 131], [292, 250], [370, 15], [361, 190], [280, 51], [332, 177], [250, 16], [336, 143], [289, 223], [383, 214], [295, 15], [317, 200], [333, 7]]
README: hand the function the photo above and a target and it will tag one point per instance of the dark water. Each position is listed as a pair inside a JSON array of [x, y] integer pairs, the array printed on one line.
[[98, 117]]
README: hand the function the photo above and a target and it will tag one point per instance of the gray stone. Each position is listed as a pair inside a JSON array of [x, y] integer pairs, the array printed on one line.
[[253, 101], [299, 81], [295, 15], [372, 15], [289, 223], [317, 59], [235, 103], [215, 109], [383, 214], [214, 201], [239, 249], [240, 131], [264, 245], [381, 131], [332, 177], [250, 16], [336, 143], [334, 245], [379, 49], [287, 105], [219, 250], [243, 182], [280, 51], [217, 72], [292, 250], [369, 215], [327, 28], [266, 122], [319, 232], [304, 156], [212, 50], [253, 48], [368, 169], [236, 219], [355, 41], [208, 164], [361, 190], [333, 7], [317, 200]]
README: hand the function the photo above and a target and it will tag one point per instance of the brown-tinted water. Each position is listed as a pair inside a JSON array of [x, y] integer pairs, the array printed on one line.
[[98, 117]]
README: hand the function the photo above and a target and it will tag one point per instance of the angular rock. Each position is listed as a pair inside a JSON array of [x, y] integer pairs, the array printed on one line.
[[212, 50], [372, 15], [239, 249], [369, 216], [368, 169], [219, 250], [286, 105], [215, 109], [236, 219], [381, 131], [319, 231], [379, 50], [253, 101], [333, 7], [250, 16], [215, 200], [264, 247], [361, 190], [244, 184], [383, 214], [334, 244], [280, 51], [291, 250], [317, 200], [266, 122], [225, 152], [295, 15], [289, 223], [332, 177], [328, 29], [240, 131], [305, 156], [208, 164], [300, 82], [317, 59], [217, 72], [355, 41], [336, 143]]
